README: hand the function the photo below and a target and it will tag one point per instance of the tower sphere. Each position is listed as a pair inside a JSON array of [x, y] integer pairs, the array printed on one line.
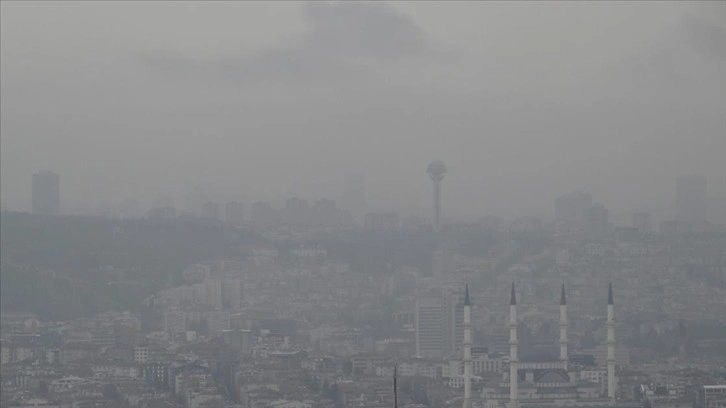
[[436, 170]]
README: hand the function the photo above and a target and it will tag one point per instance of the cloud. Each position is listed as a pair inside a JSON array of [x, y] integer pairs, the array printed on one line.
[[341, 40], [372, 30]]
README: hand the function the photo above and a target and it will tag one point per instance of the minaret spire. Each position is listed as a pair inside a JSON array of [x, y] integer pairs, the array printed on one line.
[[467, 349], [563, 327], [513, 360], [611, 344], [610, 294]]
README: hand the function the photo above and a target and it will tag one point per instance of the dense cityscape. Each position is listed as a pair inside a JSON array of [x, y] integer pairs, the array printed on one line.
[[318, 306], [362, 204]]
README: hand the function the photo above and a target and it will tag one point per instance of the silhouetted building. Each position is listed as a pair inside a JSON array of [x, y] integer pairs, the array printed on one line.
[[46, 193], [430, 327], [596, 221]]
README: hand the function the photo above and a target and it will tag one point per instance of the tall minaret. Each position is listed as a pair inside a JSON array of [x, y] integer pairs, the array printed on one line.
[[611, 344], [467, 349], [513, 360], [563, 327]]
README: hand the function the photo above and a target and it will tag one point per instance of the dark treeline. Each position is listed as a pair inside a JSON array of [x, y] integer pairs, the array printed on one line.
[[62, 267]]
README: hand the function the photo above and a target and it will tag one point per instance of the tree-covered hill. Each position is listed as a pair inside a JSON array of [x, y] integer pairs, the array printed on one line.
[[61, 267]]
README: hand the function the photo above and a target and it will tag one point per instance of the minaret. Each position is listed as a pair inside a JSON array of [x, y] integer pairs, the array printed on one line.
[[467, 349], [513, 360], [611, 344], [563, 327]]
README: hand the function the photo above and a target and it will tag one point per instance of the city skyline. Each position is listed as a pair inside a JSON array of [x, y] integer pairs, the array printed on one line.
[[637, 107], [578, 205], [362, 204]]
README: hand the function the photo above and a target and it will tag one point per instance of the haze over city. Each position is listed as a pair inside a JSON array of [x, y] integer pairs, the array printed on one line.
[[264, 101], [356, 204]]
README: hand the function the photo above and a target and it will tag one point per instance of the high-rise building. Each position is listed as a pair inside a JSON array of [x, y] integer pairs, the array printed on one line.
[[232, 293], [430, 327], [454, 315], [691, 194], [234, 212], [46, 193], [597, 222], [213, 293], [175, 321], [218, 321], [440, 323]]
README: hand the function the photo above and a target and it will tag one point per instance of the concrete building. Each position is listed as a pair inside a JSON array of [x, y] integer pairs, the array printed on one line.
[[712, 396], [218, 321], [141, 354], [430, 324], [175, 321]]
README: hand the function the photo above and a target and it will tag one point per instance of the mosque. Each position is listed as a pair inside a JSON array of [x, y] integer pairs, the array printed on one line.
[[546, 384]]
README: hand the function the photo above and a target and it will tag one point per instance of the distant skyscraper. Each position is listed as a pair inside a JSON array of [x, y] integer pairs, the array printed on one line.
[[596, 221], [234, 212], [430, 327], [454, 301], [436, 171], [46, 193], [691, 202]]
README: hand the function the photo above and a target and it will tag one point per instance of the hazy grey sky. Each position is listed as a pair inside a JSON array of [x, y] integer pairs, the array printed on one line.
[[523, 101]]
